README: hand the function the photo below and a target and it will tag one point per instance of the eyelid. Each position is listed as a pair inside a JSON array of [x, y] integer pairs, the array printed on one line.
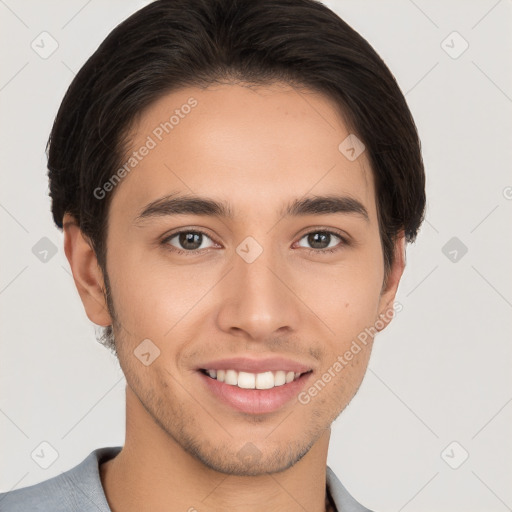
[[326, 229], [345, 239], [190, 229]]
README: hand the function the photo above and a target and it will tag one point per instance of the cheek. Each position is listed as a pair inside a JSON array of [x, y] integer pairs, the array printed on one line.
[[350, 311], [345, 296], [151, 294]]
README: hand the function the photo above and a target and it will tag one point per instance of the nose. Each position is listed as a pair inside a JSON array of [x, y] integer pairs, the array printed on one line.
[[258, 298]]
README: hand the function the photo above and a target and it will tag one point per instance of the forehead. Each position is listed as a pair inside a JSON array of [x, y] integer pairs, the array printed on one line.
[[256, 146]]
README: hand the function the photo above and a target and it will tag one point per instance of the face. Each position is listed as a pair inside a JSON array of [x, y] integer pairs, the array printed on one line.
[[260, 283]]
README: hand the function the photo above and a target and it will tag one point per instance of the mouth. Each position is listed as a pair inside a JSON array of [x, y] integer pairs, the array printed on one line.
[[253, 393], [249, 380]]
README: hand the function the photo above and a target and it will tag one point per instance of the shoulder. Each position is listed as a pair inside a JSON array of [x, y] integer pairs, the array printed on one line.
[[79, 488], [343, 500]]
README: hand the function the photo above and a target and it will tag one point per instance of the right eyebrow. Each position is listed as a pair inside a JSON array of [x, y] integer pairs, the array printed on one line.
[[193, 205], [173, 204]]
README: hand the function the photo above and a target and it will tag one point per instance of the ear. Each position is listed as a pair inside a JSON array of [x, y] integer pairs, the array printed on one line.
[[390, 287], [86, 272]]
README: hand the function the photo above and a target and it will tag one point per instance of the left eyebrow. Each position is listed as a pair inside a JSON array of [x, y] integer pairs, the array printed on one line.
[[194, 205], [326, 205]]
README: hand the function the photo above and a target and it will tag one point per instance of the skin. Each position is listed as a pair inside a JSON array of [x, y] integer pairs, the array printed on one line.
[[257, 148]]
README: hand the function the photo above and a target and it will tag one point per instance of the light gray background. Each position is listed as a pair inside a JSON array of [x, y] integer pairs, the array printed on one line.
[[440, 373]]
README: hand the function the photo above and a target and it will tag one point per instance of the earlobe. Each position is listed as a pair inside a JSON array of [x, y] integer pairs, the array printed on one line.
[[386, 310], [86, 272]]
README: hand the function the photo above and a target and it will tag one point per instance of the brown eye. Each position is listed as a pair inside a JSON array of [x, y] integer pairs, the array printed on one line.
[[321, 241], [187, 241]]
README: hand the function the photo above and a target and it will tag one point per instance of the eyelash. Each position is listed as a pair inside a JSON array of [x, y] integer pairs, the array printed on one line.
[[343, 242]]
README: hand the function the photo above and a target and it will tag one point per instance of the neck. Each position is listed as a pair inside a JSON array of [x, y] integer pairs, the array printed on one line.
[[154, 472]]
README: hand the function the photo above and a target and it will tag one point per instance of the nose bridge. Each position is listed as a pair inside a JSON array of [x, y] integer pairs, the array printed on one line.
[[259, 302]]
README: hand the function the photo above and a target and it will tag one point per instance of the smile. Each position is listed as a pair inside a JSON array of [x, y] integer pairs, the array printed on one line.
[[263, 392]]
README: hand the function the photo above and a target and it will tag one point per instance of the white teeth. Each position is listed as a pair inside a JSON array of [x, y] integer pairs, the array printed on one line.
[[264, 380], [246, 380], [231, 377], [279, 378]]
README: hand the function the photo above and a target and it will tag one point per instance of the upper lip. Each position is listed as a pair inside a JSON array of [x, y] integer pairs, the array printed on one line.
[[251, 365]]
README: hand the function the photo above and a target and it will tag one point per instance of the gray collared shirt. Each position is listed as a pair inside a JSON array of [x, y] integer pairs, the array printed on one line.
[[80, 489]]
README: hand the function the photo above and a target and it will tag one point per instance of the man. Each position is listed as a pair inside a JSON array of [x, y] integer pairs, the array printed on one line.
[[236, 181]]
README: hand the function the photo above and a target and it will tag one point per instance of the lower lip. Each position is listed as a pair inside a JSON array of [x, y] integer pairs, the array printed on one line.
[[256, 401]]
